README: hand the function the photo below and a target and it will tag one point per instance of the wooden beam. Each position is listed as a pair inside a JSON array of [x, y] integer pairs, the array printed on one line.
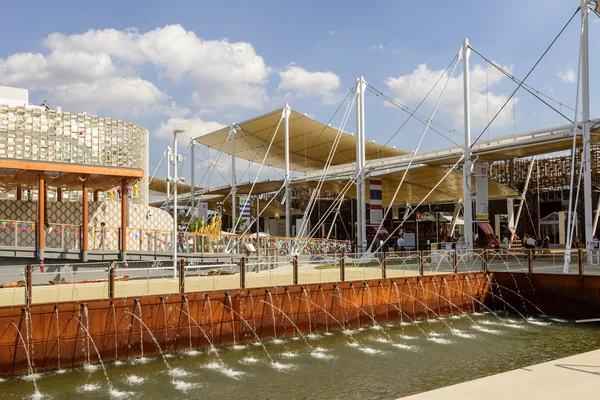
[[70, 168]]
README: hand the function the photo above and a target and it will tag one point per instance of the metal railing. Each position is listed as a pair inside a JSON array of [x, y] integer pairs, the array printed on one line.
[[52, 283]]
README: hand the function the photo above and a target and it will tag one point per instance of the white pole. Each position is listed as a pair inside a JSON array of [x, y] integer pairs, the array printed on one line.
[[175, 182], [585, 103], [233, 182], [193, 183], [524, 192], [468, 203], [359, 204], [288, 219], [360, 165], [168, 155]]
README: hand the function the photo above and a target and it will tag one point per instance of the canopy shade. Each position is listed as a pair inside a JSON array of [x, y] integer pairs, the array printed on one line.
[[159, 185], [417, 184], [310, 142]]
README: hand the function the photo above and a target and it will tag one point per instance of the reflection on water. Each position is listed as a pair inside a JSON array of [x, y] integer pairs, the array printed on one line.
[[393, 362]]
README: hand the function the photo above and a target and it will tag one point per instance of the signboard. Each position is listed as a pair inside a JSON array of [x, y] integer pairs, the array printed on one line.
[[481, 196], [201, 211], [376, 206], [418, 216]]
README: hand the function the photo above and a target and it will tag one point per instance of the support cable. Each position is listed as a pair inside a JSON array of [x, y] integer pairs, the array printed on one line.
[[416, 150], [526, 76]]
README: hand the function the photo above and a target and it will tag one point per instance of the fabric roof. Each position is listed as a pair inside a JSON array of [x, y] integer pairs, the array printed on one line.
[[159, 185], [310, 142], [417, 184]]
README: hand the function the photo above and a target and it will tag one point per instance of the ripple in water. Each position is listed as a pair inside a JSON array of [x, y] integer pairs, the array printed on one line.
[[320, 354], [370, 350], [89, 387], [215, 366], [439, 340], [382, 340], [140, 360], [328, 334], [192, 352], [91, 367], [347, 332], [435, 334], [282, 367], [277, 341], [407, 337], [405, 346], [289, 354], [486, 330], [459, 333], [119, 394], [313, 336], [30, 377], [353, 344], [536, 322], [134, 380], [249, 360], [184, 386], [238, 347], [178, 372]]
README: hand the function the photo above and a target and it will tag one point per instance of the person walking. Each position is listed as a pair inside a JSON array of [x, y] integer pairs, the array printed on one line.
[[400, 243], [180, 239]]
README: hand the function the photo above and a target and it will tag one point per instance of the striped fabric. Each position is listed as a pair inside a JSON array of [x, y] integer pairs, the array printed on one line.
[[244, 209], [376, 208]]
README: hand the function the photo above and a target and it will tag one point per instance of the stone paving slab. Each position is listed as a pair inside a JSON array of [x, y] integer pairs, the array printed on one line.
[[574, 377]]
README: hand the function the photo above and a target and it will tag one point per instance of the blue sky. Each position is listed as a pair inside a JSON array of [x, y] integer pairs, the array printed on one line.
[[200, 65]]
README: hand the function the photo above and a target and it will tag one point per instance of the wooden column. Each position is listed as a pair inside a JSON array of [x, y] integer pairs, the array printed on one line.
[[84, 222], [58, 194], [19, 193], [243, 272], [111, 281], [96, 195], [343, 268], [295, 271], [384, 266], [41, 230], [123, 220]]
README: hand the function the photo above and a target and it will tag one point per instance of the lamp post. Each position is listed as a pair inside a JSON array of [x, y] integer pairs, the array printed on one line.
[[175, 182]]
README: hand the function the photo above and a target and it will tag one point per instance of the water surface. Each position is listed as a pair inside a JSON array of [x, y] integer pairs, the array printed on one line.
[[371, 364]]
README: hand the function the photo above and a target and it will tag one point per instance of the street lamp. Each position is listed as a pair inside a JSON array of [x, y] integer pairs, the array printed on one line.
[[175, 182]]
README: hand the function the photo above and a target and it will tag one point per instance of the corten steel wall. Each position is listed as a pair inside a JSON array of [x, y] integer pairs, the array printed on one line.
[[166, 317], [566, 296]]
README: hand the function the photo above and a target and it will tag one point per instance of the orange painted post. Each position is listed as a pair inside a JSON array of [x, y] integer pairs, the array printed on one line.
[[28, 284], [111, 281], [41, 229], [181, 276], [124, 220], [343, 268], [295, 277], [19, 194], [580, 262], [530, 261], [384, 266], [421, 262], [85, 222], [58, 194], [243, 272], [96, 195]]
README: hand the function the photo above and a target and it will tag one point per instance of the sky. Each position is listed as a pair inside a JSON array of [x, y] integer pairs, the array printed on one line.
[[200, 65]]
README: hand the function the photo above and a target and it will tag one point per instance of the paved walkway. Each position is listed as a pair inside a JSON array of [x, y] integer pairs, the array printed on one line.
[[575, 377]]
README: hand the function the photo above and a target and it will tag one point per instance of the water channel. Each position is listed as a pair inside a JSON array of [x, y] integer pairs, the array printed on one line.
[[386, 363]]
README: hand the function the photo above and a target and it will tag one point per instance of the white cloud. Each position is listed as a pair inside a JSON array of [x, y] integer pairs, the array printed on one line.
[[411, 88], [194, 127], [331, 32], [567, 75], [300, 83], [228, 73], [101, 70]]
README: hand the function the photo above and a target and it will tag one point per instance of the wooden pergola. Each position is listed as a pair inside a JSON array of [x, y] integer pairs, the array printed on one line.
[[16, 174]]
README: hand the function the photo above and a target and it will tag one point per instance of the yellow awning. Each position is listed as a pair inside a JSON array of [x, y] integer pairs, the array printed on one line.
[[310, 143]]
